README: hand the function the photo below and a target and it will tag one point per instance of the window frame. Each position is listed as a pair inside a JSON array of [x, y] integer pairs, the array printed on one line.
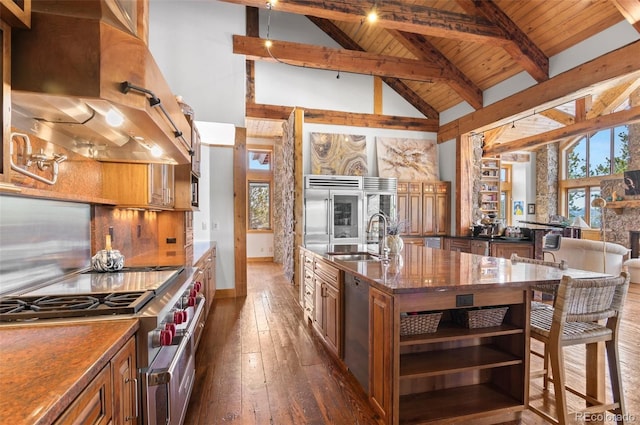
[[259, 176]]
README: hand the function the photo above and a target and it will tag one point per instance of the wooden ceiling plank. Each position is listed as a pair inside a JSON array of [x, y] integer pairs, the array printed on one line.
[[559, 116], [319, 116], [319, 57], [612, 98], [427, 52], [395, 14], [626, 116], [401, 88], [630, 9], [521, 48], [555, 91]]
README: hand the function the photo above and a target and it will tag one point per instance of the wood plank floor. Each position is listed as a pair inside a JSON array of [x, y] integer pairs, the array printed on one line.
[[259, 363]]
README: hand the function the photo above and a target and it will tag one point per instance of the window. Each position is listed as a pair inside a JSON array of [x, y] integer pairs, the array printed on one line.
[[259, 188], [505, 193], [591, 155], [587, 161], [259, 205]]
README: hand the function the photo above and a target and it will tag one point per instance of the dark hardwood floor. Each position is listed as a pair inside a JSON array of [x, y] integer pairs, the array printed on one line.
[[259, 363]]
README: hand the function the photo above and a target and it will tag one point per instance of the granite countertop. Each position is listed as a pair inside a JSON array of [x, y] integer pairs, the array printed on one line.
[[43, 367], [422, 269], [200, 248]]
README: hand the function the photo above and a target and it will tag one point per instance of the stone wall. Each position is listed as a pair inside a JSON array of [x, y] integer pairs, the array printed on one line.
[[617, 226], [283, 197], [547, 182]]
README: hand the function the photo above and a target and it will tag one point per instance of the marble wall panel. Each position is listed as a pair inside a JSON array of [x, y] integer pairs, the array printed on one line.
[[338, 154], [407, 159]]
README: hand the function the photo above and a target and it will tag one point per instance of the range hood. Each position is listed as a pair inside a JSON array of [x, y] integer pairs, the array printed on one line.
[[80, 64]]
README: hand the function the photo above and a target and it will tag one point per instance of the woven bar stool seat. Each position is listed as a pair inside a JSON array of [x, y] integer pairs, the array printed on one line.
[[580, 307]]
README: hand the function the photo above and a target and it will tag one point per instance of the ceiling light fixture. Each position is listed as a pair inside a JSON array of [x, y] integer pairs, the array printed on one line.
[[372, 16], [113, 118]]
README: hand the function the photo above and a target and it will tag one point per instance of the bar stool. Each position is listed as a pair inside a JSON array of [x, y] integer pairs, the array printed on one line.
[[551, 242], [579, 305]]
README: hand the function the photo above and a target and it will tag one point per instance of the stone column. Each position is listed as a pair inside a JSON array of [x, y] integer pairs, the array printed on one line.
[[547, 181]]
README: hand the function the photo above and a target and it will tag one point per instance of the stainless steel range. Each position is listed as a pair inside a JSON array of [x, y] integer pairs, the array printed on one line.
[[166, 301]]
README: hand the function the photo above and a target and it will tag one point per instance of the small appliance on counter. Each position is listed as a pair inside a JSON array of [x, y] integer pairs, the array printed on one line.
[[107, 259], [489, 226]]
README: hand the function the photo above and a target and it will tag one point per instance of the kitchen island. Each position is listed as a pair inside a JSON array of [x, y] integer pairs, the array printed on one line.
[[453, 374]]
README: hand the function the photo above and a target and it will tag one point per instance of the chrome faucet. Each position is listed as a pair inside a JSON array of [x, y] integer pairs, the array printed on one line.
[[382, 245]]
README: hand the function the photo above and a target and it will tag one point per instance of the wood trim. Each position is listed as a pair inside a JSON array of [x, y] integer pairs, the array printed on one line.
[[225, 293], [377, 95], [240, 211], [5, 77], [260, 260], [576, 82]]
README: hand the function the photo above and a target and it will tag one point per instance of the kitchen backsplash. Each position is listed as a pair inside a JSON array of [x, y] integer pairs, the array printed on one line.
[[41, 240]]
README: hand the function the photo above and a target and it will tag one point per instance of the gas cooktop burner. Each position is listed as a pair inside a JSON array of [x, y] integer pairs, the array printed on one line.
[[58, 306]]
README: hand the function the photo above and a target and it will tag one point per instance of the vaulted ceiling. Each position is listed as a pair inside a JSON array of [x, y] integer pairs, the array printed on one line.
[[440, 53]]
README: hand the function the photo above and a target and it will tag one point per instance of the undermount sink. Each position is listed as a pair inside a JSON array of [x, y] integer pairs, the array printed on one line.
[[354, 256]]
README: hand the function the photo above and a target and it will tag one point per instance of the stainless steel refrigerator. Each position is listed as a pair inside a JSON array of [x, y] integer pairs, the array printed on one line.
[[380, 196], [333, 210]]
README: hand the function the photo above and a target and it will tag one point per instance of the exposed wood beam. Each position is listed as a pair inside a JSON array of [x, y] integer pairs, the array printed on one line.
[[612, 98], [583, 105], [421, 48], [630, 9], [377, 95], [524, 51], [573, 83], [320, 116], [401, 88], [253, 30], [628, 116], [320, 57], [559, 116], [395, 14]]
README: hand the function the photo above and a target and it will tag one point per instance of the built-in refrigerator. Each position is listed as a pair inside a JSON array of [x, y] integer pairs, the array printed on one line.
[[380, 196], [333, 210]]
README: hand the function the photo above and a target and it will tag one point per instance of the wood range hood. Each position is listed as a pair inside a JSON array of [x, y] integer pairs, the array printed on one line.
[[69, 72]]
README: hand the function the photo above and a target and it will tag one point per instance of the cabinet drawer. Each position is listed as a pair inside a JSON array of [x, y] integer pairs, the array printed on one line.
[[329, 273], [308, 260], [424, 301], [403, 187], [428, 188]]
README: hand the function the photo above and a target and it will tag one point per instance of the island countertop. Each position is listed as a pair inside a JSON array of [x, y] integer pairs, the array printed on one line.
[[422, 269]]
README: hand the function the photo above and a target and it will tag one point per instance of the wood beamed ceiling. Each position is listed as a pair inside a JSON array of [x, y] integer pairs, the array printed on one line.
[[437, 54]]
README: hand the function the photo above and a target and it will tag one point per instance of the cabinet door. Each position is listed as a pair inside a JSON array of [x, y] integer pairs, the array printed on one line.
[[161, 184], [93, 405], [479, 247], [442, 216], [415, 214], [381, 345], [318, 310], [403, 208], [429, 214], [332, 319], [125, 388]]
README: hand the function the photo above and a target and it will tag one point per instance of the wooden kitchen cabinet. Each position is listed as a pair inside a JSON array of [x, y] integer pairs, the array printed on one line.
[[139, 185], [436, 211], [504, 250], [125, 385], [308, 291], [327, 316], [425, 207], [381, 348], [93, 405], [111, 397], [206, 266]]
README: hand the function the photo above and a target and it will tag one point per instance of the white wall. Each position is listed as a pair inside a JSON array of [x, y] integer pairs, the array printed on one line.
[[191, 42]]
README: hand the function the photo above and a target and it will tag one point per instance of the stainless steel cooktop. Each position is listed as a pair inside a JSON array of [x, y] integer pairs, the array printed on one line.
[[90, 283]]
